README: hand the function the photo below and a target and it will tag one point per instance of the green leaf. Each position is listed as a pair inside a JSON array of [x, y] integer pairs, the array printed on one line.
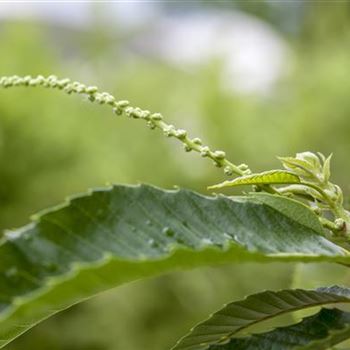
[[299, 166], [276, 177], [317, 332], [238, 316], [326, 170], [111, 236]]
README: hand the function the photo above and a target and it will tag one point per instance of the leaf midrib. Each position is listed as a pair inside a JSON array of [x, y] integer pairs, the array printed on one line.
[[282, 312]]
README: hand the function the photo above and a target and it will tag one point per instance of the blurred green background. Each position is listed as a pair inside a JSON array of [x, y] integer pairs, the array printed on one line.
[[52, 145]]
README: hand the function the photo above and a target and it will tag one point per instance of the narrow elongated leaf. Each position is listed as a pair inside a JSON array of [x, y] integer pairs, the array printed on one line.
[[317, 332], [277, 177], [119, 234], [237, 316]]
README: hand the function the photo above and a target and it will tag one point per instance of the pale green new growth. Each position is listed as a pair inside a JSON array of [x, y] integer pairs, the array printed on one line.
[[307, 176], [322, 195]]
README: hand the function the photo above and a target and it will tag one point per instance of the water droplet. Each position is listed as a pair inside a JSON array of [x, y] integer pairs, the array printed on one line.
[[133, 228], [148, 222], [153, 243], [180, 240], [168, 232]]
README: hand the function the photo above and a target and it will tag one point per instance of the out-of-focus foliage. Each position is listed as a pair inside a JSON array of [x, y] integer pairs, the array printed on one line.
[[52, 145]]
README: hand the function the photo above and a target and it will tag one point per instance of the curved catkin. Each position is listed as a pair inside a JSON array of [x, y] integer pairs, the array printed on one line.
[[122, 107]]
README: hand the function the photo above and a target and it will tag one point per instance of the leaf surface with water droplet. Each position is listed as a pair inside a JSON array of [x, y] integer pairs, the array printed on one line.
[[103, 239]]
